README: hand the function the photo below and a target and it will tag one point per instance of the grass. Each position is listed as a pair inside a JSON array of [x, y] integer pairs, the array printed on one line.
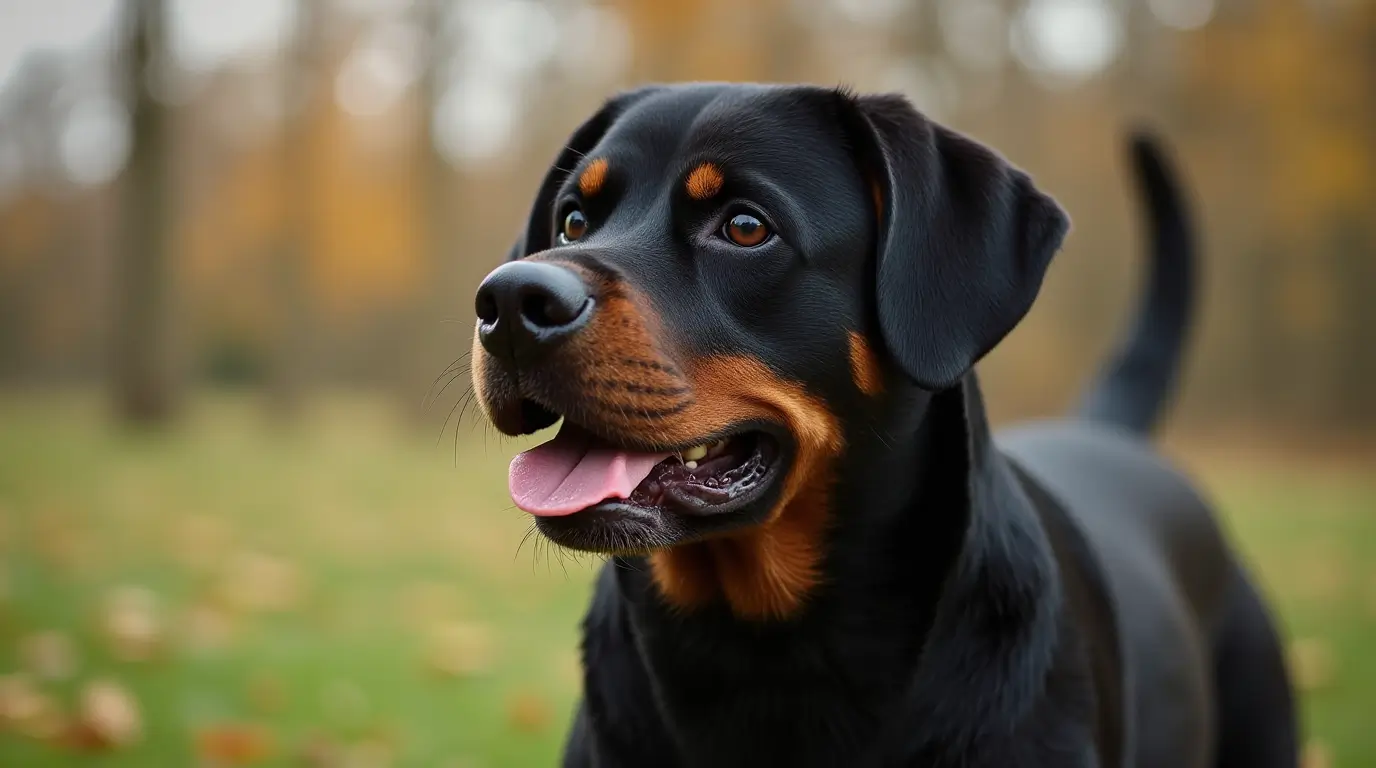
[[351, 594]]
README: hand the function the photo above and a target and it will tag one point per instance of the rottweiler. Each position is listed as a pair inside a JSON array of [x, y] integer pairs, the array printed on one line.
[[756, 310]]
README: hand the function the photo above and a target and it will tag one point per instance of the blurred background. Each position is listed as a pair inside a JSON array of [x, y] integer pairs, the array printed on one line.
[[248, 514]]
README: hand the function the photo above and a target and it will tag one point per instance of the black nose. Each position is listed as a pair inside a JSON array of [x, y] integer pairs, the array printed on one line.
[[527, 307]]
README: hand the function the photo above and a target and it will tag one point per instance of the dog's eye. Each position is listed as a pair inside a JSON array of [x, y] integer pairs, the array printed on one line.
[[745, 230], [575, 226]]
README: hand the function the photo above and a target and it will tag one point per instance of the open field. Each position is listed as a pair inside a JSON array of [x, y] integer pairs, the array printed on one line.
[[351, 594]]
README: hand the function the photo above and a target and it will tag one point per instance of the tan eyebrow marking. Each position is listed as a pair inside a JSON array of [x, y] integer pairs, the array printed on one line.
[[864, 366], [704, 181], [593, 177]]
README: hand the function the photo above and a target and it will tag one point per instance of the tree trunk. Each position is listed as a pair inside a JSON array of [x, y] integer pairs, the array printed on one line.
[[289, 377], [424, 347], [144, 379]]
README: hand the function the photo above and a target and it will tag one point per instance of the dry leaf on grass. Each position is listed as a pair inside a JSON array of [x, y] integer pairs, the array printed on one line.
[[257, 582], [1312, 663], [58, 539], [200, 541], [206, 628], [1316, 755], [108, 717], [234, 744], [528, 711], [1322, 574], [424, 603], [50, 654], [131, 622], [460, 649], [370, 754], [568, 668], [28, 710], [320, 751]]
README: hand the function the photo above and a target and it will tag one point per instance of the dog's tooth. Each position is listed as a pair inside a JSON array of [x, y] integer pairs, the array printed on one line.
[[694, 454]]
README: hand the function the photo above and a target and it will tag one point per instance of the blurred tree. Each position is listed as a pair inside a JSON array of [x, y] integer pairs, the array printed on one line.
[[424, 352], [299, 78], [1356, 235], [144, 375]]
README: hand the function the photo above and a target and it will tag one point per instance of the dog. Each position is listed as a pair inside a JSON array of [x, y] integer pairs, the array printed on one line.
[[757, 310]]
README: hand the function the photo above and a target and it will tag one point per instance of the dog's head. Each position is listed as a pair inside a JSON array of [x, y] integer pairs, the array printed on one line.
[[716, 281]]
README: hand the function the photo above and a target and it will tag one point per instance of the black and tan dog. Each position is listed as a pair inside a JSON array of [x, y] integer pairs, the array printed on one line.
[[756, 310]]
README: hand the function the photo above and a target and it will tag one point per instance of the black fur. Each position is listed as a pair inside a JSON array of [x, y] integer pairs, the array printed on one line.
[[1058, 598], [1141, 374]]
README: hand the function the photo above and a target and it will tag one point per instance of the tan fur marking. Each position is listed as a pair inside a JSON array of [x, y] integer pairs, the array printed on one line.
[[634, 385], [765, 572], [594, 176], [878, 195], [864, 366], [704, 182]]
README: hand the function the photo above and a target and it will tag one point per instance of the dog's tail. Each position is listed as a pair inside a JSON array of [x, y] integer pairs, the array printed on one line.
[[1138, 380]]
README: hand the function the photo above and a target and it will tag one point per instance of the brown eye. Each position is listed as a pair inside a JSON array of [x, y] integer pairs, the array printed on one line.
[[575, 226], [745, 230]]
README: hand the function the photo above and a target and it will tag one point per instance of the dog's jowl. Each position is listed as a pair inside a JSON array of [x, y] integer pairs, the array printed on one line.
[[756, 310]]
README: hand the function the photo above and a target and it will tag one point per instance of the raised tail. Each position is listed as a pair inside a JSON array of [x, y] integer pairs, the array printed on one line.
[[1134, 386]]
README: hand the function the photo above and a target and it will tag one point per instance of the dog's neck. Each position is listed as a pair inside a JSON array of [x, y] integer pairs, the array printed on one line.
[[945, 567]]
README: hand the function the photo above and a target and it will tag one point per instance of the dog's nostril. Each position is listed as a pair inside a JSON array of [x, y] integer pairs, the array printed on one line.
[[486, 305], [549, 310]]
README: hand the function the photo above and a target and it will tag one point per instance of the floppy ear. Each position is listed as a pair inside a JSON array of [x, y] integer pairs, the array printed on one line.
[[536, 235], [964, 240]]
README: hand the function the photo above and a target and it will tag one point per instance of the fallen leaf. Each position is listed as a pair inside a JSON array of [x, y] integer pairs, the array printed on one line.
[[1321, 580], [59, 540], [207, 628], [1312, 663], [131, 622], [568, 668], [234, 744], [257, 582], [200, 541], [1316, 755], [28, 710], [370, 754], [528, 711], [425, 603], [50, 655], [320, 751], [460, 649], [107, 718]]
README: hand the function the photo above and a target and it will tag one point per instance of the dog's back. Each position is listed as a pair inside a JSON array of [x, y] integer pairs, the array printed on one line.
[[1202, 664]]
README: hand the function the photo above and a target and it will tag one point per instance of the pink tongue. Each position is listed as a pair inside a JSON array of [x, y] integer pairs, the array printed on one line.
[[570, 473]]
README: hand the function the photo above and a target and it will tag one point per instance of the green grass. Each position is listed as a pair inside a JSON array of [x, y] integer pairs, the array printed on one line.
[[389, 539]]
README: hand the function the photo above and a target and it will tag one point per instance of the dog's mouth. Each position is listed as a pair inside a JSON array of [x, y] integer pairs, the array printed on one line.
[[579, 471]]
